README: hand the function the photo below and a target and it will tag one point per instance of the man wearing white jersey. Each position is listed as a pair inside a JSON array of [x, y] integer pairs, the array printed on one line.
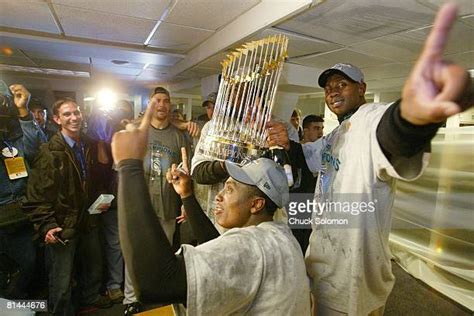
[[358, 164]]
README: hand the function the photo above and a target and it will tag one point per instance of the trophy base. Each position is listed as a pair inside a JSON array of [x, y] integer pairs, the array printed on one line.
[[225, 149]]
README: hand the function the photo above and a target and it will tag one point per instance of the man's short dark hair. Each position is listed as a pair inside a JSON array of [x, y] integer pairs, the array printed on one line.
[[35, 103], [161, 90], [270, 206], [57, 104], [207, 102], [312, 119]]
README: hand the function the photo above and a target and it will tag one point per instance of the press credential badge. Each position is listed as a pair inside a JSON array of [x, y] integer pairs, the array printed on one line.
[[16, 167]]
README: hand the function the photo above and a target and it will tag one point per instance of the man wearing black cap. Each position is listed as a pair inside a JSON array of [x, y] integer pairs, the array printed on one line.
[[40, 115], [358, 163], [244, 271], [209, 104]]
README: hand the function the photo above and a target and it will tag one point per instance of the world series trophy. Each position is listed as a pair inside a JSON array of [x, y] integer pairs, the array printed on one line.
[[249, 81]]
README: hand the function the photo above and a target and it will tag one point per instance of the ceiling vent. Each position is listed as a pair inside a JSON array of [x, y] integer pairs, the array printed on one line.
[[119, 62]]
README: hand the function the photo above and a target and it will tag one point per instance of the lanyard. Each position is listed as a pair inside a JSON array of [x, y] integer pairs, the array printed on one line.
[[9, 145]]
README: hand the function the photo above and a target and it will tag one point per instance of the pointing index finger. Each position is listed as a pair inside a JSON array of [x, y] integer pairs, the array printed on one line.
[[184, 159], [438, 37], [146, 119]]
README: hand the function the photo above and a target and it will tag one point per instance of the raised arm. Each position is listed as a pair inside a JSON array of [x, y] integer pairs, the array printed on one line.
[[148, 254], [33, 136], [435, 90], [202, 227]]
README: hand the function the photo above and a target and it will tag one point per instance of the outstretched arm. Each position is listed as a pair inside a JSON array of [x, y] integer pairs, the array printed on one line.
[[210, 172], [435, 90], [148, 254]]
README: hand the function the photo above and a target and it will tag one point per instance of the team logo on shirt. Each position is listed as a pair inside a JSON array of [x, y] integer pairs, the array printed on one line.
[[328, 158]]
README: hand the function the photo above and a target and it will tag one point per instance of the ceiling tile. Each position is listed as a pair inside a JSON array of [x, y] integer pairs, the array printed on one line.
[[103, 26], [158, 68], [17, 61], [465, 6], [108, 62], [152, 74], [56, 64], [465, 59], [197, 73], [18, 14], [178, 37], [214, 62], [399, 47], [45, 50], [326, 60], [387, 71], [469, 20], [299, 46], [461, 38], [108, 77], [148, 9], [394, 84], [117, 70], [349, 22], [405, 47], [382, 37], [204, 72], [80, 53], [43, 71], [60, 57], [208, 14]]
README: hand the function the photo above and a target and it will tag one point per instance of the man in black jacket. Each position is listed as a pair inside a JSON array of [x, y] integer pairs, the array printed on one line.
[[61, 185]]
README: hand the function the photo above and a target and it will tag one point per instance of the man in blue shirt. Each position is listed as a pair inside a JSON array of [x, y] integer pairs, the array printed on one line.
[[19, 141]]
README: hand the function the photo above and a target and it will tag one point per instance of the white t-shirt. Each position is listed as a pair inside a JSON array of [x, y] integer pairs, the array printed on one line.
[[350, 264], [256, 270]]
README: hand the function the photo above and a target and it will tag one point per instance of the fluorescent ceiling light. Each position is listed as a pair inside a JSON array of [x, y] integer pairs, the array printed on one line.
[[158, 23], [45, 71], [152, 33]]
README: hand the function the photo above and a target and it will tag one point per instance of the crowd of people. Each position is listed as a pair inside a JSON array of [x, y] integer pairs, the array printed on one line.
[[61, 169], [55, 173]]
